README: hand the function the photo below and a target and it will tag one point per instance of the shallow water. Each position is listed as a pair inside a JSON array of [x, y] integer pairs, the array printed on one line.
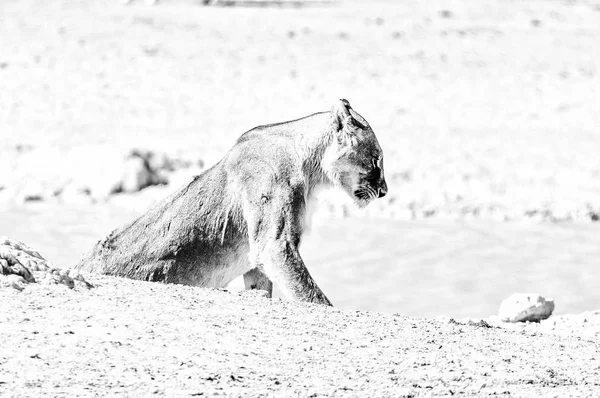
[[414, 268]]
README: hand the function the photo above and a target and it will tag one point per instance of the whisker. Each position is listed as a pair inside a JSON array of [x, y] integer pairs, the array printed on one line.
[[361, 193], [368, 191], [372, 192]]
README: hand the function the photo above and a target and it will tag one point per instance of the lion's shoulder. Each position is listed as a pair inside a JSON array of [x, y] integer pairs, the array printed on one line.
[[273, 157]]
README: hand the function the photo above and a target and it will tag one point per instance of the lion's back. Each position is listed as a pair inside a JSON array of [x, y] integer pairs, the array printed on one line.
[[262, 159]]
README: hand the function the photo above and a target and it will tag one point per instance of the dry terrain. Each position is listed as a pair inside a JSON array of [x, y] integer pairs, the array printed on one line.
[[129, 338]]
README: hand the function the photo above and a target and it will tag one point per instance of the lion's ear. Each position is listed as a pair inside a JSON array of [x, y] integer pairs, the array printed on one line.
[[341, 112], [344, 122]]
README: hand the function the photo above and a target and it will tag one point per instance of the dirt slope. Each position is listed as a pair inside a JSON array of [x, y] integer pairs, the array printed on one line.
[[128, 338]]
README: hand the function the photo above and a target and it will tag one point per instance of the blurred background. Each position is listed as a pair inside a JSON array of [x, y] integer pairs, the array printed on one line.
[[488, 113]]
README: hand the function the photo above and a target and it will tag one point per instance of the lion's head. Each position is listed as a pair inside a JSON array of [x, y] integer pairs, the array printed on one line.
[[354, 159]]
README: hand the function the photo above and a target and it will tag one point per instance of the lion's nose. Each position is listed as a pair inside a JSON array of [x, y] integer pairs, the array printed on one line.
[[383, 190]]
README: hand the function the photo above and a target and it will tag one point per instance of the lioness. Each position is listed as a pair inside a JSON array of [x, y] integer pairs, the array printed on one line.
[[245, 215]]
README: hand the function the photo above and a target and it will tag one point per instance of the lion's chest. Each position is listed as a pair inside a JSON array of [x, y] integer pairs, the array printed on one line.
[[231, 266], [314, 206], [212, 263]]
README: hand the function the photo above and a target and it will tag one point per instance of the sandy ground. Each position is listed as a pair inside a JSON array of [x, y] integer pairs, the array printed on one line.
[[129, 338]]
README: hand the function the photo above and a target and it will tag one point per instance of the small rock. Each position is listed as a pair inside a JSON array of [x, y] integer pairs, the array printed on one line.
[[67, 281], [31, 190], [445, 14], [525, 307], [159, 161], [14, 281], [480, 324], [479, 386], [75, 274], [9, 265], [4, 269], [136, 175], [142, 169]]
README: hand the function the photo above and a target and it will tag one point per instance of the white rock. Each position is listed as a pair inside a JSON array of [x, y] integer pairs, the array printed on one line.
[[136, 175], [75, 274], [523, 307]]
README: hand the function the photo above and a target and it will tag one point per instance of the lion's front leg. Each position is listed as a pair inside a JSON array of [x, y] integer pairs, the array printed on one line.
[[274, 230], [282, 263], [255, 279]]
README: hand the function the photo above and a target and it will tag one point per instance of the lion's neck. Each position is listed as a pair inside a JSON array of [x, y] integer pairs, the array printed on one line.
[[312, 141]]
